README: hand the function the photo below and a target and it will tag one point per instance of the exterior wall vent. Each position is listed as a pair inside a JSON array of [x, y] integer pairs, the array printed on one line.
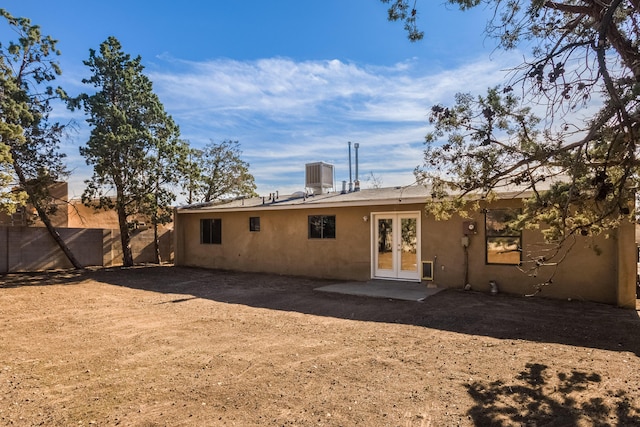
[[427, 270], [318, 177]]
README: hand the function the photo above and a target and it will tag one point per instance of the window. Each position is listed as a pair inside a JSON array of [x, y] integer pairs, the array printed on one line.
[[211, 231], [254, 223], [322, 226], [504, 241]]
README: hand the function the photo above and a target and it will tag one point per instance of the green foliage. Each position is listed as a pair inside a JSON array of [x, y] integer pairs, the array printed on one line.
[[26, 69], [218, 172], [10, 199], [32, 143], [400, 10], [168, 162], [133, 147], [493, 146]]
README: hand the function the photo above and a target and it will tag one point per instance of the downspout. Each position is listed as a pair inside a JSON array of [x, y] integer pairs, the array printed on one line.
[[465, 247], [466, 266]]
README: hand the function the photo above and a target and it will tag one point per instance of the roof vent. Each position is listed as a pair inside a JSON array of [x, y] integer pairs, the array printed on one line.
[[318, 177]]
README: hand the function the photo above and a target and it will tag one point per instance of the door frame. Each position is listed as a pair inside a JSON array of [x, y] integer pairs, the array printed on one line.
[[374, 243]]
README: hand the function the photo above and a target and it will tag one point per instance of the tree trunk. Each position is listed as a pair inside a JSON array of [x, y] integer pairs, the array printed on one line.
[[156, 243], [125, 239], [154, 220], [56, 236], [44, 217]]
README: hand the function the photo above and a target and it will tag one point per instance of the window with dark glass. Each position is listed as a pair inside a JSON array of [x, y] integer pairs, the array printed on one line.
[[503, 238], [211, 231], [254, 223], [322, 226]]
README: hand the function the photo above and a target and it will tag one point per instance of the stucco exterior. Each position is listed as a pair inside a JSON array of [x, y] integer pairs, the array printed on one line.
[[598, 269]]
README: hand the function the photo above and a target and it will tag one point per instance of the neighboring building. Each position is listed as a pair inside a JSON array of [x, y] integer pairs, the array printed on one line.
[[385, 233], [26, 216]]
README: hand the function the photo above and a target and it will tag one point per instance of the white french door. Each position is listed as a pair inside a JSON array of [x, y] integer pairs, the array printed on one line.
[[396, 240]]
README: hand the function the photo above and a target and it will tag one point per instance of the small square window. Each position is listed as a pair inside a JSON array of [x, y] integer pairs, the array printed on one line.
[[211, 231], [254, 223], [322, 226]]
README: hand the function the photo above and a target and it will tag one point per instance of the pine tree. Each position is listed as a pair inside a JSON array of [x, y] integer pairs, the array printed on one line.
[[130, 142], [26, 67], [584, 53]]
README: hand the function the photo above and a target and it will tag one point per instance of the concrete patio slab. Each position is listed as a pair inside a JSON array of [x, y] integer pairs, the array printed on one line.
[[407, 291]]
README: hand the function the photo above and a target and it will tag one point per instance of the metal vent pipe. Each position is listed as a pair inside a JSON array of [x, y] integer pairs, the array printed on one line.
[[357, 183], [350, 180]]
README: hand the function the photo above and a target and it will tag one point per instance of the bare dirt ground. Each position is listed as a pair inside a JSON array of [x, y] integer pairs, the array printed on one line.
[[156, 346]]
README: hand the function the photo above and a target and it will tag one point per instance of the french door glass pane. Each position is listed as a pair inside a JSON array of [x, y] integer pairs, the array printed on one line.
[[409, 245], [385, 244]]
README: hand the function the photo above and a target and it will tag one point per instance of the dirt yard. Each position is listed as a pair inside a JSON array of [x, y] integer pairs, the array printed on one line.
[[167, 346]]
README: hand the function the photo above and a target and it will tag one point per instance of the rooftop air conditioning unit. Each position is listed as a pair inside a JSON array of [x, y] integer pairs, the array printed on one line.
[[318, 177]]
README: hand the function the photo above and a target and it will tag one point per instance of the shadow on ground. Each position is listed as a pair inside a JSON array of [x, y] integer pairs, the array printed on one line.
[[504, 317], [44, 278], [550, 400]]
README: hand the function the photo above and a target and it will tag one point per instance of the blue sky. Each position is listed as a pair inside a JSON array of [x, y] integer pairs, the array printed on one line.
[[293, 81]]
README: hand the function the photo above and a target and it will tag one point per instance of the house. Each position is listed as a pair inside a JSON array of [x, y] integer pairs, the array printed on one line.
[[385, 233]]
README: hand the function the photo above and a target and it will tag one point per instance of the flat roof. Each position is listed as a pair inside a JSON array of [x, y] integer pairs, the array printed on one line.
[[375, 196]]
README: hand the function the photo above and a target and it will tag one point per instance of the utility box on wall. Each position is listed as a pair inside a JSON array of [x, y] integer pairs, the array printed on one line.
[[469, 227]]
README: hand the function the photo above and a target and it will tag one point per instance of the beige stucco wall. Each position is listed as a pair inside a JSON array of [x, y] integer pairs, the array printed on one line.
[[590, 271], [282, 246], [627, 266], [587, 272]]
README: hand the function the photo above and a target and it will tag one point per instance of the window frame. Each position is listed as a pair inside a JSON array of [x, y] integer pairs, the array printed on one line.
[[509, 234], [312, 228], [254, 224], [214, 234]]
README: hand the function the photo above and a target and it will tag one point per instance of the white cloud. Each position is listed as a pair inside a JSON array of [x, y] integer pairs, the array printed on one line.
[[286, 113]]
